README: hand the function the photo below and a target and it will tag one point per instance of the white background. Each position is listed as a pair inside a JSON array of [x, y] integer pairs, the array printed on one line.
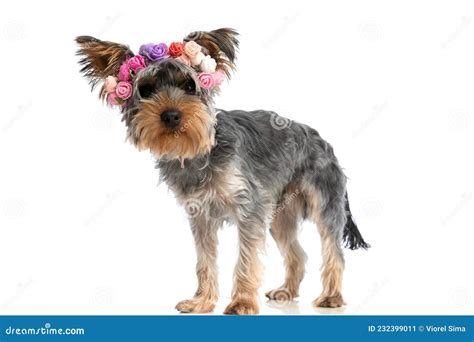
[[84, 229]]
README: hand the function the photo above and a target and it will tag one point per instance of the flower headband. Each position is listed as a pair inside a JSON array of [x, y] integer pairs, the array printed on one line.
[[119, 88]]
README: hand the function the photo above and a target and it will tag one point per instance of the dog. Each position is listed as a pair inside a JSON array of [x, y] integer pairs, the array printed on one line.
[[253, 169]]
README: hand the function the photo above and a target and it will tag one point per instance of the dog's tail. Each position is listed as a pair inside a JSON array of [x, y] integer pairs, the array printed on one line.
[[352, 237]]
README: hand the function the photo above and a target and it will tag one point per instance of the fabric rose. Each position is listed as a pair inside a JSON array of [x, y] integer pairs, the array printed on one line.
[[191, 49], [136, 63], [124, 72], [176, 49], [123, 90], [144, 48], [218, 77], [196, 60], [206, 81], [157, 52], [110, 84], [112, 99], [183, 59], [208, 64]]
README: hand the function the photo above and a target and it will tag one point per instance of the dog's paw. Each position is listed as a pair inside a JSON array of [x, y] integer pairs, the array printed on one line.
[[281, 294], [195, 305], [241, 308], [324, 301]]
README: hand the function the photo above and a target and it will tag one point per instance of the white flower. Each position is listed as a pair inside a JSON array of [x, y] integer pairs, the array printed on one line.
[[196, 60], [208, 64]]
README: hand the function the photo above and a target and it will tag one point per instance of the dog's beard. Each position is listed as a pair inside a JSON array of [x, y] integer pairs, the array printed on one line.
[[193, 136]]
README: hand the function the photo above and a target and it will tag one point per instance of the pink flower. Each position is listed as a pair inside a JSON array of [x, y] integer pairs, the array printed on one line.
[[206, 81], [123, 90], [218, 77], [191, 49], [136, 63], [112, 99], [110, 84], [183, 59], [124, 72]]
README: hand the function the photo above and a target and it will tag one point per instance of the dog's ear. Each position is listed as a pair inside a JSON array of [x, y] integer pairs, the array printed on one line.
[[100, 58], [221, 44]]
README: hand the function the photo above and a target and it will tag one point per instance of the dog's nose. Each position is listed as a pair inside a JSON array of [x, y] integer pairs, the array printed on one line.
[[171, 118]]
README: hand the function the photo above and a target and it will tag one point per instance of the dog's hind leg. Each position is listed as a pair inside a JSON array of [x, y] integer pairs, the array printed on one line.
[[327, 209], [205, 237], [284, 229]]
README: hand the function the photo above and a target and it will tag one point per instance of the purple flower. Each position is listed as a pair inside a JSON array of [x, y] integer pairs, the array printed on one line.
[[157, 52], [144, 48]]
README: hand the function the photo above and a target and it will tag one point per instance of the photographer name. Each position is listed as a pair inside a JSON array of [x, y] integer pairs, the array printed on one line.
[[445, 328]]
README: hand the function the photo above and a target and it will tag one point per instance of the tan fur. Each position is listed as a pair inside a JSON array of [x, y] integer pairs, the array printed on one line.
[[333, 263], [102, 58], [248, 270], [211, 47], [232, 193], [284, 229], [150, 133], [205, 238], [223, 193], [247, 276]]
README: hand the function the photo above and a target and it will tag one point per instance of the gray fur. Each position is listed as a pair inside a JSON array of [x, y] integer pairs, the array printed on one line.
[[262, 171], [269, 159]]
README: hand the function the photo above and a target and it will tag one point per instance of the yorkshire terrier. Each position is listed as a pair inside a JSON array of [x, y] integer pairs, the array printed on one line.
[[254, 169]]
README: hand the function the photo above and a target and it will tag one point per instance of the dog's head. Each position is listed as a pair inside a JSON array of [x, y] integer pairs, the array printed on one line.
[[165, 91]]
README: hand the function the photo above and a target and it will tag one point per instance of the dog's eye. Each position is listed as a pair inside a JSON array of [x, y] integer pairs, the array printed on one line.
[[189, 86], [146, 90]]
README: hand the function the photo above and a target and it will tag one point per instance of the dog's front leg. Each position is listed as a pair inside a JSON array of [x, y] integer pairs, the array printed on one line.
[[205, 237], [247, 275]]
